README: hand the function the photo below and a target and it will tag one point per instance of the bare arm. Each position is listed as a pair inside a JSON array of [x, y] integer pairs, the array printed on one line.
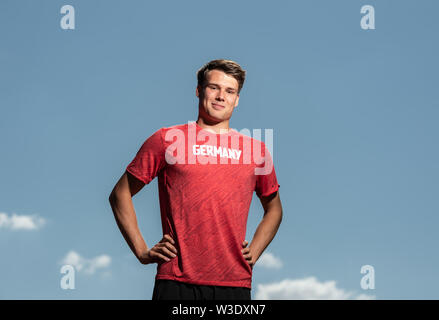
[[266, 229], [125, 215]]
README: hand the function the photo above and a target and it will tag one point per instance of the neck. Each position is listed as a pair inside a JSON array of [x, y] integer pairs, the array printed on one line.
[[214, 127]]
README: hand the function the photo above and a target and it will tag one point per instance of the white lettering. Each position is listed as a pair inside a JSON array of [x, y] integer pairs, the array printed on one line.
[[207, 150], [189, 310], [368, 20], [203, 149], [368, 281], [68, 21], [68, 281]]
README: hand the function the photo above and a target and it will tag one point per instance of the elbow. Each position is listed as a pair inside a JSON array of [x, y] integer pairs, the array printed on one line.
[[112, 197], [279, 217], [117, 196]]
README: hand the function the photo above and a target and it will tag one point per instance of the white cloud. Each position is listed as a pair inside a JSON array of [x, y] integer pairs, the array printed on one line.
[[305, 289], [268, 260], [88, 266], [21, 222], [363, 296]]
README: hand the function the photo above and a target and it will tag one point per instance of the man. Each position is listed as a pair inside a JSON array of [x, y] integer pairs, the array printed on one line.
[[207, 174]]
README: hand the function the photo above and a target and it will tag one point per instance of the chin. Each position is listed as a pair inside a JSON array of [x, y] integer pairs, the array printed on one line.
[[213, 118]]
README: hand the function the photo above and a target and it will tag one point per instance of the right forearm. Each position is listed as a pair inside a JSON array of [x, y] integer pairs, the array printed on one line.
[[125, 215]]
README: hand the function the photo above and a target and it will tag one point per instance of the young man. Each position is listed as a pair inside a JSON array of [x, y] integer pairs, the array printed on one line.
[[207, 173]]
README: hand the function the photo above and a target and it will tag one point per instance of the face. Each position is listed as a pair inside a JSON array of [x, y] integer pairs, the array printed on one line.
[[219, 97]]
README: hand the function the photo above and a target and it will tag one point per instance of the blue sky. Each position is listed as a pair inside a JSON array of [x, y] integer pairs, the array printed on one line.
[[354, 114]]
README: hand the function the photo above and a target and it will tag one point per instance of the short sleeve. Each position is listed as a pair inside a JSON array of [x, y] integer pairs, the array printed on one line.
[[150, 158], [266, 180]]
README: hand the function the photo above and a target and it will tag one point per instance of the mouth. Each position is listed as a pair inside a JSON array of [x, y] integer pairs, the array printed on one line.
[[217, 106]]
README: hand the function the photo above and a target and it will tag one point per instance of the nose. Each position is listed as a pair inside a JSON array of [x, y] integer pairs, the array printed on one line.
[[220, 95]]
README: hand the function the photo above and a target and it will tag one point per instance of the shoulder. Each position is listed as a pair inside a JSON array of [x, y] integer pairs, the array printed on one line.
[[175, 126], [253, 141], [166, 134], [162, 130], [172, 129]]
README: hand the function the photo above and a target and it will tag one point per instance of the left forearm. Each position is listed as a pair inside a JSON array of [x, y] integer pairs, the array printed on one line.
[[265, 232]]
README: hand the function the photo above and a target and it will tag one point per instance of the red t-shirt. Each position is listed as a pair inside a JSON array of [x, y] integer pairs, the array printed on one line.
[[204, 205]]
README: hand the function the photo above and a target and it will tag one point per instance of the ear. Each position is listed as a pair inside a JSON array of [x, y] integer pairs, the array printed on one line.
[[237, 101], [197, 91]]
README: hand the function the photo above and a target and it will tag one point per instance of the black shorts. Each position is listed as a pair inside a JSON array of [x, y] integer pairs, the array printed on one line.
[[176, 290]]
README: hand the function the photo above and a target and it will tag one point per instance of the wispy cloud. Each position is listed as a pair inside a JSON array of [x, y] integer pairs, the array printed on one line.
[[268, 260], [88, 266], [306, 289], [21, 222]]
